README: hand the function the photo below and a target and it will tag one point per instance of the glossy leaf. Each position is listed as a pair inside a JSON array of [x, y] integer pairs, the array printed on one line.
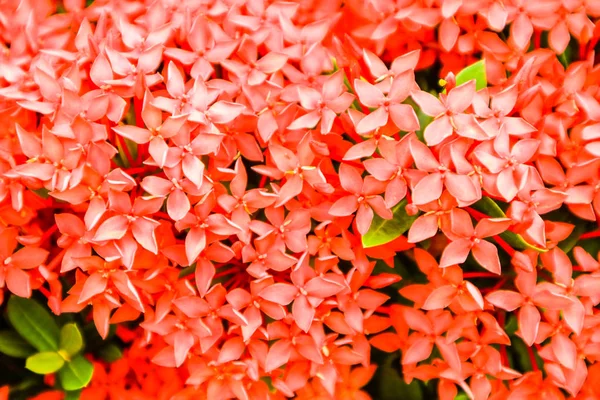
[[491, 209], [71, 340], [474, 71], [46, 362], [14, 345], [424, 119], [383, 231], [572, 240], [110, 353], [34, 323], [392, 386], [76, 374], [73, 395]]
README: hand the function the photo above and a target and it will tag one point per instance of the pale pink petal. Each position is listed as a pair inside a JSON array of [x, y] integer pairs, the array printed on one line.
[[404, 117], [418, 351], [193, 169], [18, 282], [279, 354], [303, 313], [113, 228], [486, 255], [223, 112], [529, 323], [205, 271], [178, 204], [182, 343], [279, 293], [94, 284], [438, 130], [492, 226], [368, 94], [461, 97], [428, 189], [364, 217], [424, 227], [344, 206], [564, 350], [521, 31], [456, 253], [374, 120], [428, 103], [133, 133], [440, 298]]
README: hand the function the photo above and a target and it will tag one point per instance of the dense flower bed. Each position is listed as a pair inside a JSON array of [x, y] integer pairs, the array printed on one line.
[[329, 199]]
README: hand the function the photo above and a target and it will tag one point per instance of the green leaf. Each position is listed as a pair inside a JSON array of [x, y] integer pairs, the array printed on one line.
[[424, 119], [571, 241], [392, 386], [14, 345], [110, 353], [34, 323], [383, 231], [511, 325], [73, 395], [46, 362], [491, 209], [42, 192], [474, 71], [269, 382], [76, 374], [190, 269], [71, 340]]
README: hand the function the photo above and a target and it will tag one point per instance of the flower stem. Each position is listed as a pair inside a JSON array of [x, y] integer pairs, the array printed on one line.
[[263, 181], [56, 260], [590, 235], [532, 359], [467, 275], [48, 233], [505, 246]]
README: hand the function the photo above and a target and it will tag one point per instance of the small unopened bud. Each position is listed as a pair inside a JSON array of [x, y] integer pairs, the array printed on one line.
[[411, 209], [449, 81]]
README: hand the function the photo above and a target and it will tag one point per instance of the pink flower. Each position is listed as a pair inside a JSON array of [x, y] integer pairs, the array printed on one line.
[[469, 239], [12, 274], [307, 291], [529, 297], [430, 187], [449, 114], [389, 106], [363, 198], [323, 107]]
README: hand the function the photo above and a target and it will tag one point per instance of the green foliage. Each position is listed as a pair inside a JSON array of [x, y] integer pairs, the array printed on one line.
[[383, 231], [490, 208], [571, 241], [391, 386], [474, 71], [76, 374], [46, 362], [110, 353], [34, 323], [58, 349], [14, 345], [71, 341], [73, 395], [424, 119]]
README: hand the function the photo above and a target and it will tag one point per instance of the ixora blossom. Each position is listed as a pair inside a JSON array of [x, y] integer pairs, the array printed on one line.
[[300, 199]]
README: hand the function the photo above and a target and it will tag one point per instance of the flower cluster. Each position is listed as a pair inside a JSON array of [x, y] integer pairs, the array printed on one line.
[[230, 180]]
